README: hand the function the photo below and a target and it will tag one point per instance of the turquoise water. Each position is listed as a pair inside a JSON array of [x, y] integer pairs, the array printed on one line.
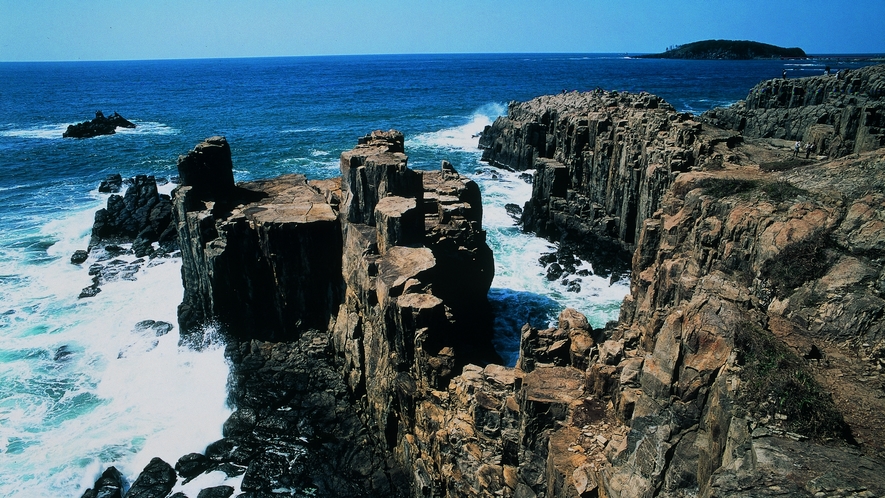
[[80, 387]]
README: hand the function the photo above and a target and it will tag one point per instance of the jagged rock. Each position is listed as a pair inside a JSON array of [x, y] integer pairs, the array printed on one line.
[[602, 161], [90, 291], [727, 256], [157, 328], [109, 485], [155, 481], [208, 169], [112, 184], [216, 492], [142, 215], [262, 258], [840, 114], [192, 465], [79, 257], [101, 125]]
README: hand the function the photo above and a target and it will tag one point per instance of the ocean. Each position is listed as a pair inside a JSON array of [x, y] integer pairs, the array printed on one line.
[[82, 388]]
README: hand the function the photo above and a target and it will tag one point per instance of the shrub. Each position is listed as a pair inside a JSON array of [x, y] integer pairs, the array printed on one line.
[[724, 187], [798, 263], [782, 190], [777, 381]]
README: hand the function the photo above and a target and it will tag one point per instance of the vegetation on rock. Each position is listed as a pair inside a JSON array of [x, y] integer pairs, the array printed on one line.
[[727, 49], [778, 385]]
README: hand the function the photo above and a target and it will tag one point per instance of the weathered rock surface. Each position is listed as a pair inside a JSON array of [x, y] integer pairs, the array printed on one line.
[[746, 361], [725, 255], [101, 125], [840, 114], [602, 161]]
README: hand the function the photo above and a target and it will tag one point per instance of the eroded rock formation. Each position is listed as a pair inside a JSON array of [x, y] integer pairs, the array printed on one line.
[[746, 361], [751, 289], [840, 114]]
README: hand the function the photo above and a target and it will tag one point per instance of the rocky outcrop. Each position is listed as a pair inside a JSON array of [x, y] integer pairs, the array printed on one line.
[[726, 254], [142, 216], [840, 114], [602, 160], [746, 361], [101, 125], [262, 259]]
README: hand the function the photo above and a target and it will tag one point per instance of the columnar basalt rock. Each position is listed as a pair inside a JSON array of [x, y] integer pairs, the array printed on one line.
[[261, 259], [840, 114], [725, 256], [730, 370], [602, 161]]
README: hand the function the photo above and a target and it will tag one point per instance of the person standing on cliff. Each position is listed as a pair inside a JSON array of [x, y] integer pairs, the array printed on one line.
[[808, 148], [796, 147]]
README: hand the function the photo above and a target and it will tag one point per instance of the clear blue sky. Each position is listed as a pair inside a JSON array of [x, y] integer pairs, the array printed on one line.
[[44, 30]]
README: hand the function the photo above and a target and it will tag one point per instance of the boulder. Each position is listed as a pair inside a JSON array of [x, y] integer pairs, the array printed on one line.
[[155, 481], [109, 485]]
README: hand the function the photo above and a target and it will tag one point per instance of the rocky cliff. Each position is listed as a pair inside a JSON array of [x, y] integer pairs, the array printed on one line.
[[747, 354], [747, 359], [602, 160], [840, 114]]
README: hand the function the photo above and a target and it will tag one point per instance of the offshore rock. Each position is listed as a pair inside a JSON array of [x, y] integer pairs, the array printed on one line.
[[840, 114], [101, 125]]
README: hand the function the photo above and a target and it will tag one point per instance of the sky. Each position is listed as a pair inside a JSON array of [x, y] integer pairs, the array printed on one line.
[[63, 30]]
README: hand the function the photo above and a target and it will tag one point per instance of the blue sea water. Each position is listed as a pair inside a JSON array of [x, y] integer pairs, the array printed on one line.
[[80, 387]]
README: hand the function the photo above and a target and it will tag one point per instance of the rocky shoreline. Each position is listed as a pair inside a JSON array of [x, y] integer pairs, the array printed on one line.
[[746, 361]]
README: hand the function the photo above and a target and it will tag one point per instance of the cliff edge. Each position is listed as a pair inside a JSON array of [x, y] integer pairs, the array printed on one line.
[[747, 359]]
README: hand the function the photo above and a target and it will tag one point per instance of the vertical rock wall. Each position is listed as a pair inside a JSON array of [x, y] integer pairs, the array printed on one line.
[[602, 161], [261, 259]]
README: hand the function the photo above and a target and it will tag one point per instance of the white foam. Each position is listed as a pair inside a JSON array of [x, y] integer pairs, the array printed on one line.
[[119, 397], [147, 128], [48, 131], [462, 137], [56, 130], [520, 284]]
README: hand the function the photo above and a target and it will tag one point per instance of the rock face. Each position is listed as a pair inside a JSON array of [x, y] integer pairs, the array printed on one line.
[[840, 114], [746, 361], [725, 256], [603, 161], [263, 259], [101, 125]]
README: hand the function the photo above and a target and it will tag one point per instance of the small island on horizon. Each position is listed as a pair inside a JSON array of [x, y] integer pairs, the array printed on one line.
[[727, 50]]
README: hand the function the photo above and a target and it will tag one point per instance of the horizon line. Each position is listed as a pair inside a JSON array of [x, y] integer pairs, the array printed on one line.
[[867, 55]]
